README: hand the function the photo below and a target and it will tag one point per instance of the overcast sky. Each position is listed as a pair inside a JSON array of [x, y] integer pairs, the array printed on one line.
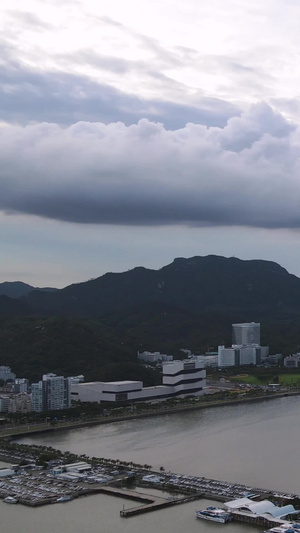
[[135, 132]]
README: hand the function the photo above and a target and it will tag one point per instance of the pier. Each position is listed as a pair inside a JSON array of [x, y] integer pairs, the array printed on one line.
[[157, 503]]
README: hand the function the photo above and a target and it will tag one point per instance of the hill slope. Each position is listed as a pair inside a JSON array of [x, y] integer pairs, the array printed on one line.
[[96, 327], [198, 284]]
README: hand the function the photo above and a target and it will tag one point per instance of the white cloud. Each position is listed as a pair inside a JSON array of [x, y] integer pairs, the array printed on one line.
[[238, 51]]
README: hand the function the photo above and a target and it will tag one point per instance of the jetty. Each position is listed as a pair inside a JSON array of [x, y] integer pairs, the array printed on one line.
[[155, 503]]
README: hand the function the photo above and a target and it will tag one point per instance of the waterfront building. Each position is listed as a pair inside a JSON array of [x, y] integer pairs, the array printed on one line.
[[184, 377], [263, 508], [180, 378], [81, 466]]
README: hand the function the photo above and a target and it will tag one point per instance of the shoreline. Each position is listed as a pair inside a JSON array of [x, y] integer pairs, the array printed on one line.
[[42, 428]]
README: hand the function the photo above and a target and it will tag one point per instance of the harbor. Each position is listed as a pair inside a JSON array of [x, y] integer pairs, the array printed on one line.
[[31, 485], [195, 459]]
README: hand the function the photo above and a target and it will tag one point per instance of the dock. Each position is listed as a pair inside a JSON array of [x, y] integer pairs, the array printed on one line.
[[157, 503]]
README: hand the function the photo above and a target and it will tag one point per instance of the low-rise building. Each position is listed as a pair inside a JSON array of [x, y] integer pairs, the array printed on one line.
[[208, 361], [6, 472], [180, 378], [273, 359], [20, 403], [292, 361], [239, 355], [154, 357]]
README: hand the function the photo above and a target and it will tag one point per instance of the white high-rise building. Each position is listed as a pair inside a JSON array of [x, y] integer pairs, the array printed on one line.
[[247, 333], [51, 394], [56, 392], [37, 397]]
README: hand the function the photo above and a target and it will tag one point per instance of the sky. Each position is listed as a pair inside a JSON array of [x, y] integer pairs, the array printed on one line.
[[136, 132]]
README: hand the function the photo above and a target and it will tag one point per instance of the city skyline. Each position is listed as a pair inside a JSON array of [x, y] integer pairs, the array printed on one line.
[[134, 134]]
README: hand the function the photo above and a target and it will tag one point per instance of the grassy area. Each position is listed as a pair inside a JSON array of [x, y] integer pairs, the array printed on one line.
[[289, 380], [246, 378]]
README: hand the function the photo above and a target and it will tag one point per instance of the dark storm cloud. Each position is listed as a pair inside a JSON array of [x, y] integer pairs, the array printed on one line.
[[246, 173], [28, 96]]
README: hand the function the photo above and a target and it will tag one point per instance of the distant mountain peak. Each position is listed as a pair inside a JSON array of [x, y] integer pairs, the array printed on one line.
[[17, 289]]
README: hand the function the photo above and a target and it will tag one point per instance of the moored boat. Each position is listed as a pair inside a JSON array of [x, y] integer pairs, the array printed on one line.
[[63, 499], [10, 499], [284, 528], [215, 515]]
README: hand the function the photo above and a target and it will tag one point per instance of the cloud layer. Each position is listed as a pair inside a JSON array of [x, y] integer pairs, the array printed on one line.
[[29, 96], [246, 173]]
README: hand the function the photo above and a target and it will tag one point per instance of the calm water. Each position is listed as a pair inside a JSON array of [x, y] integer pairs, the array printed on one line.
[[255, 444]]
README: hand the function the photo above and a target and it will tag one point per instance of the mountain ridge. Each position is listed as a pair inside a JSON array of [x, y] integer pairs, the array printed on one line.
[[200, 284], [94, 327], [17, 289]]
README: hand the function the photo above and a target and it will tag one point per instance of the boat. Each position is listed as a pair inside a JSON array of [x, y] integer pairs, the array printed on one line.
[[10, 499], [215, 514], [284, 528], [64, 499]]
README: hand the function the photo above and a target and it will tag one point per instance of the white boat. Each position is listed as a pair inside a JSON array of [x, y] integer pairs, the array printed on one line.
[[64, 499], [10, 499], [215, 514], [284, 528]]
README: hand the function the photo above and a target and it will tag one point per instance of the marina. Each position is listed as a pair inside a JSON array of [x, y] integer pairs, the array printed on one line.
[[250, 453], [61, 483]]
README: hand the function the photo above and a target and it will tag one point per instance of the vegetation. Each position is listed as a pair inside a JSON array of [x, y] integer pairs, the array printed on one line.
[[42, 455], [33, 346], [263, 376], [96, 328]]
